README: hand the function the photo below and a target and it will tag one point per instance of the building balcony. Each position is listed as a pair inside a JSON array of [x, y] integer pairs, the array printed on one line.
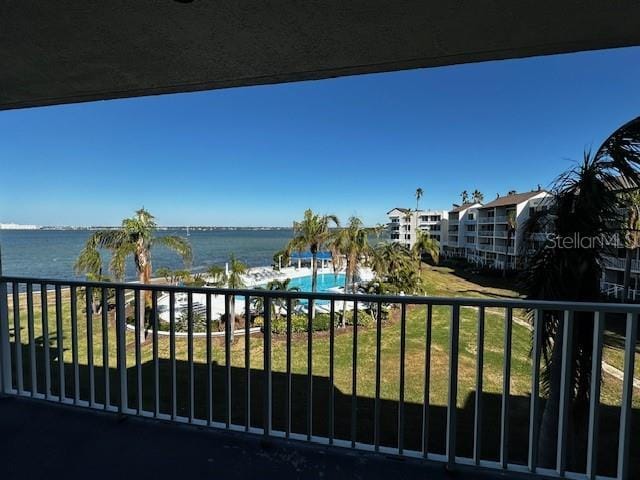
[[618, 263], [485, 233], [485, 219], [501, 218], [137, 372]]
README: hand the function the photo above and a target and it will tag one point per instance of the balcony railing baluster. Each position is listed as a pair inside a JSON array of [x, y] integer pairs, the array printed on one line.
[[477, 424], [44, 309], [32, 341], [74, 344], [594, 397], [627, 395], [17, 336], [172, 355]]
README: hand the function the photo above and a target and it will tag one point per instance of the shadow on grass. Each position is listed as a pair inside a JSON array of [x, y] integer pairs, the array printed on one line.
[[240, 381]]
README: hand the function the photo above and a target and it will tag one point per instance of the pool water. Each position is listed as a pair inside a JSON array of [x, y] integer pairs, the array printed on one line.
[[325, 282]]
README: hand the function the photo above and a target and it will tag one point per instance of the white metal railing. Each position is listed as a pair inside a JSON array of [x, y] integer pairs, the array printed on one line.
[[486, 219], [620, 263], [615, 290], [30, 367], [501, 219]]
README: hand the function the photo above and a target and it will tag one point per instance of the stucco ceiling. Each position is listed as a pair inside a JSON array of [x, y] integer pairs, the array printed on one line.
[[77, 50]]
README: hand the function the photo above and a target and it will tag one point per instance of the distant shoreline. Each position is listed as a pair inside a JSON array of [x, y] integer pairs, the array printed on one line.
[[196, 228]]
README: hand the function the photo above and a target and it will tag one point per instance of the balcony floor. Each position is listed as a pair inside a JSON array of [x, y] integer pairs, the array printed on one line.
[[42, 440]]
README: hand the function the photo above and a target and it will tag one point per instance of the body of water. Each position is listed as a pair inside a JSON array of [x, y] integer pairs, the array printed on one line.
[[52, 253]]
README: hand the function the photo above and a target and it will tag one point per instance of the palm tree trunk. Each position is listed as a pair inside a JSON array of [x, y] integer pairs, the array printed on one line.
[[627, 274]]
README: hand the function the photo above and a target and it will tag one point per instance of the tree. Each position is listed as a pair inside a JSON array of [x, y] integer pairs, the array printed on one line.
[[135, 238], [312, 233], [512, 225], [281, 257], [217, 277], [350, 244], [477, 196], [394, 267], [419, 193], [631, 230], [280, 303], [465, 197], [425, 244], [234, 280], [556, 272]]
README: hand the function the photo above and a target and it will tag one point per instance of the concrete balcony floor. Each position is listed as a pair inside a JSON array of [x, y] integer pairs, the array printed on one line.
[[42, 440]]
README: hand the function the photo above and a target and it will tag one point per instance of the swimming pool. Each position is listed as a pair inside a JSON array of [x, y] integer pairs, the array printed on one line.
[[325, 282]]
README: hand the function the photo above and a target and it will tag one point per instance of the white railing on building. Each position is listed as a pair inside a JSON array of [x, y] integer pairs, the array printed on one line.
[[485, 219], [47, 375], [619, 263]]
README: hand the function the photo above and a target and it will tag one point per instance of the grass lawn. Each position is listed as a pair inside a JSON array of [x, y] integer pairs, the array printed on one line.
[[440, 281]]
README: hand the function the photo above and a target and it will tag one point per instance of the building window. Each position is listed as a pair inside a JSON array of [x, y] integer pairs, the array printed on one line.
[[470, 216]]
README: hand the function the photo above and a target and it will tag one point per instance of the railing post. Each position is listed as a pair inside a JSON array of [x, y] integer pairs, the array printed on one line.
[[627, 396], [5, 347], [267, 365], [121, 349], [454, 333]]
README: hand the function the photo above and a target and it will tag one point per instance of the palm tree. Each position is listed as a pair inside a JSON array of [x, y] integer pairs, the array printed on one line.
[[477, 196], [351, 244], [573, 274], [419, 193], [281, 286], [631, 228], [312, 233], [394, 267], [217, 276], [425, 244], [234, 280], [512, 225], [465, 197], [135, 238]]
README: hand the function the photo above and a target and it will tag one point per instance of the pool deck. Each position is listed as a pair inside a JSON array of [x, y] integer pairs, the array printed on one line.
[[43, 440]]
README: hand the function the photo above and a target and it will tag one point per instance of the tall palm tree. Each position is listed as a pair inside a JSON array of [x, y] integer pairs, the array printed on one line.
[[477, 196], [351, 244], [419, 193], [426, 244], [465, 197], [512, 225], [312, 233], [573, 274], [631, 230], [136, 237]]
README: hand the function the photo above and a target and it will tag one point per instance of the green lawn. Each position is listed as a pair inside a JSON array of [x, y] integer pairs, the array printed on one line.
[[440, 281]]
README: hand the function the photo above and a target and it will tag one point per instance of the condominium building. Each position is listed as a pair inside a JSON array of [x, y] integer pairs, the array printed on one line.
[[404, 224], [500, 228], [462, 230], [488, 235]]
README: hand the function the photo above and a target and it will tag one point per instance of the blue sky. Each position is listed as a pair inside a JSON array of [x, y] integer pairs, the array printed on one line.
[[350, 146]]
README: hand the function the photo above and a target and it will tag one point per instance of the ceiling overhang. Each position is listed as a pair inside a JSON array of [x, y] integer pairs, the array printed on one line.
[[80, 50]]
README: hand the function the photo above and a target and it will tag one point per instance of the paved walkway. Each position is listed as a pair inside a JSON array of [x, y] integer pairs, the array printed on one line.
[[41, 440]]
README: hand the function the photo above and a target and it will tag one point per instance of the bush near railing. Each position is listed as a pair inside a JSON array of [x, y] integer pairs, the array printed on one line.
[[321, 322]]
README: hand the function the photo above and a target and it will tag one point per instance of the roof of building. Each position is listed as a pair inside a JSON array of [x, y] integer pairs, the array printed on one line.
[[464, 206], [403, 210], [513, 199]]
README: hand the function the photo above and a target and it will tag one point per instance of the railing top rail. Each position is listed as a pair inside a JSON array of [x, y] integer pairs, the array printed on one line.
[[360, 297]]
